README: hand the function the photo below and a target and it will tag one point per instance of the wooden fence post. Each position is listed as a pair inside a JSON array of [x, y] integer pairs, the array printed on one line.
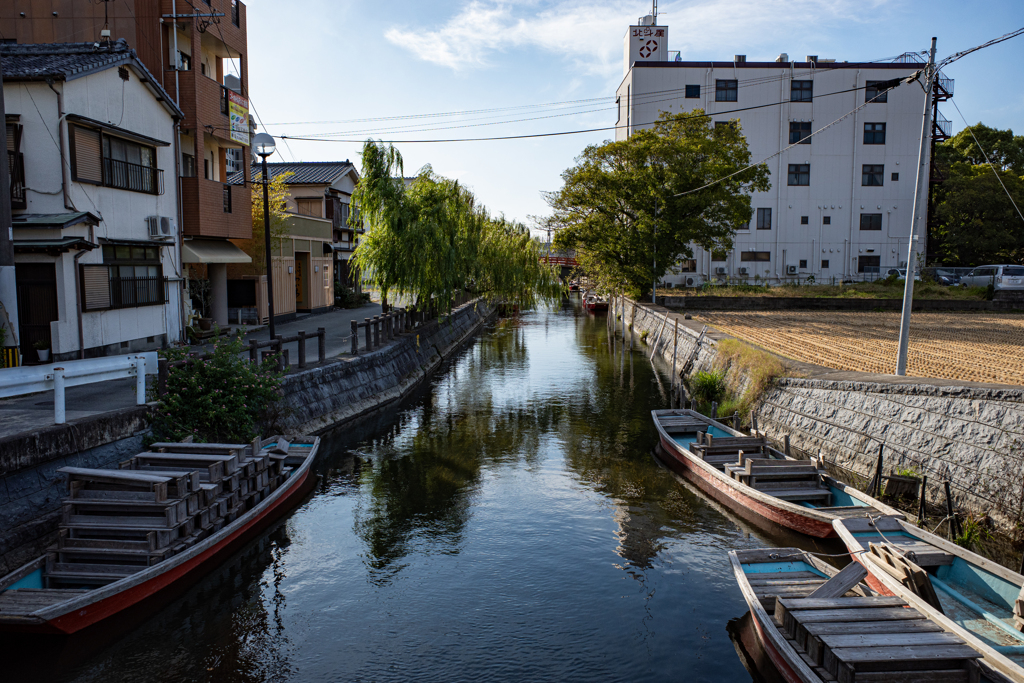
[[951, 531], [278, 346], [321, 346], [161, 374], [878, 472], [675, 351], [785, 446], [302, 350], [376, 331], [355, 338], [714, 410], [736, 420], [921, 503], [369, 334]]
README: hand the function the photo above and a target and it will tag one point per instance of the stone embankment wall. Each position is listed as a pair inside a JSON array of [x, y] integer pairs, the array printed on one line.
[[315, 400], [970, 435], [779, 303]]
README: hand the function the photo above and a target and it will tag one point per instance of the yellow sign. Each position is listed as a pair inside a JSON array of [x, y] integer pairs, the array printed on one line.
[[238, 112]]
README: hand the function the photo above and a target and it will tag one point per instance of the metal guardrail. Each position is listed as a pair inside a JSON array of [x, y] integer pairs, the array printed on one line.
[[56, 377]]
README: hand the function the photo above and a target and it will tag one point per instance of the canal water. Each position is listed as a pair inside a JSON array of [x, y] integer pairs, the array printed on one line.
[[509, 522]]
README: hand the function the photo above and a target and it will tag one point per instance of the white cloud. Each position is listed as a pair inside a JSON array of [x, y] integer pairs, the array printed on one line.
[[590, 34]]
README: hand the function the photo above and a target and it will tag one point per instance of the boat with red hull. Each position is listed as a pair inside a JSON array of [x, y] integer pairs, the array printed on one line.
[[595, 304], [253, 486], [755, 480]]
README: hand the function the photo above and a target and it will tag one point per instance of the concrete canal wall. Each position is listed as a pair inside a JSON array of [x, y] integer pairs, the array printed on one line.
[[968, 433], [315, 400]]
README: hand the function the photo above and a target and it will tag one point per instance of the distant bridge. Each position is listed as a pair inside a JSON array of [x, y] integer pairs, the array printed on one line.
[[566, 262]]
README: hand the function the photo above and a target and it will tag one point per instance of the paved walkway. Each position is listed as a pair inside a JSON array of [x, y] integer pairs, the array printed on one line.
[[35, 411]]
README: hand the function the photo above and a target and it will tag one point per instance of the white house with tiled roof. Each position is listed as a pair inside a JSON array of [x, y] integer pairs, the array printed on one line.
[[91, 138]]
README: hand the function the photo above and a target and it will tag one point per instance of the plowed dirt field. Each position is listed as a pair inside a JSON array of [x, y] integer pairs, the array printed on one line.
[[977, 347]]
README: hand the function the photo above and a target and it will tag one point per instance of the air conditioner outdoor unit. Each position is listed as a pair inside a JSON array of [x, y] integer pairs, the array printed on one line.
[[790, 270], [159, 226], [720, 271], [742, 271]]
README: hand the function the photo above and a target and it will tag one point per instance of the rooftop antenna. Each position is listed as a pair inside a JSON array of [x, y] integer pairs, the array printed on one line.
[[654, 12], [105, 33]]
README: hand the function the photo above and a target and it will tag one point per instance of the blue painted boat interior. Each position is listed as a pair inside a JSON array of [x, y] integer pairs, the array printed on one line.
[[33, 580], [684, 439], [840, 499], [965, 577], [778, 567]]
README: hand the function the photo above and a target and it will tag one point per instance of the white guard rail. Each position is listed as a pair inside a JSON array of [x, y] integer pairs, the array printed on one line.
[[58, 376]]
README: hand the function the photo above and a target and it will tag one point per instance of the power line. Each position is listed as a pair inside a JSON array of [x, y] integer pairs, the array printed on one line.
[[987, 160]]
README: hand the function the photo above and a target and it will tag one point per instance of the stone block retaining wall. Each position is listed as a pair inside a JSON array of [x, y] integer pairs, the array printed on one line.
[[971, 435]]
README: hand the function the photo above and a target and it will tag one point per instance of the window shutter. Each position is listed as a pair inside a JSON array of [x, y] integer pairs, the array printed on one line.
[[88, 158], [95, 287]]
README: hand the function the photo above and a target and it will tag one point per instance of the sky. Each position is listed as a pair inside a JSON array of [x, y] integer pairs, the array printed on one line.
[[325, 66]]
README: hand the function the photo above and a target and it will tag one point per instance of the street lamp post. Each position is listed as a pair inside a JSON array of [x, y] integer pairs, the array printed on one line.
[[264, 146]]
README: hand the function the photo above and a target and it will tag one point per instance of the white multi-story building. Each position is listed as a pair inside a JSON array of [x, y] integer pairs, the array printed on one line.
[[90, 142], [841, 201]]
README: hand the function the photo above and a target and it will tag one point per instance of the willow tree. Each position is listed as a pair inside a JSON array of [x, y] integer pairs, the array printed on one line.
[[648, 199], [430, 240]]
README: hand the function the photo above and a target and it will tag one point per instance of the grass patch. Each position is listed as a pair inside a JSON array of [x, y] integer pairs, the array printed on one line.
[[881, 289], [760, 367], [708, 387]]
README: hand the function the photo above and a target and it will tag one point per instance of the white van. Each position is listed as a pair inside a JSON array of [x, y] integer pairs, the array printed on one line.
[[1004, 278]]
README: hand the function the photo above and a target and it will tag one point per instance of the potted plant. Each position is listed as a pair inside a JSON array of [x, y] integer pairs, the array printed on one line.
[[43, 349]]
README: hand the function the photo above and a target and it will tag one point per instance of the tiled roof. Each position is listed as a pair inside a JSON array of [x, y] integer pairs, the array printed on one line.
[[303, 173], [67, 61]]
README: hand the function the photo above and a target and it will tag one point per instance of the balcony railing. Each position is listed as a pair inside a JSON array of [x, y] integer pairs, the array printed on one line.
[[125, 175], [131, 292], [16, 166]]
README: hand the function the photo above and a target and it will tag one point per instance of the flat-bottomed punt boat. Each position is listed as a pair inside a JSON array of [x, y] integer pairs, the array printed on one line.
[[132, 538], [820, 625], [965, 593], [755, 480]]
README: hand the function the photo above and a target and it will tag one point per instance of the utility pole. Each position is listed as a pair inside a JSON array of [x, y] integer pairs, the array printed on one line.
[[8, 283], [922, 175]]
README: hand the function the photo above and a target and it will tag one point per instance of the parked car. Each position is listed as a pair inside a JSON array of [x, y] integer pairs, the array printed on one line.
[[901, 274], [946, 277], [1003, 277]]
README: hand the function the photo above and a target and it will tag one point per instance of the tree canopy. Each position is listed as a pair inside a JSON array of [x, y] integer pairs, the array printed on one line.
[[975, 221], [430, 239], [619, 208], [277, 193]]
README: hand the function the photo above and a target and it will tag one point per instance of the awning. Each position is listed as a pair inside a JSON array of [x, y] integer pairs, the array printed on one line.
[[53, 220], [61, 245], [212, 251]]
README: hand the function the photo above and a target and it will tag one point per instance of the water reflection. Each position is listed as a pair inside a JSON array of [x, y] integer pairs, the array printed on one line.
[[506, 523]]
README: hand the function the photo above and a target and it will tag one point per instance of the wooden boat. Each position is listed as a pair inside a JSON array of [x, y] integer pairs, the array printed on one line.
[[757, 481], [965, 593], [820, 625], [132, 538], [595, 303]]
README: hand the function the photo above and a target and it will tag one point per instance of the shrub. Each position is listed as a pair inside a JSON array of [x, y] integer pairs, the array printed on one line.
[[708, 387], [222, 398], [972, 534], [643, 336], [760, 367]]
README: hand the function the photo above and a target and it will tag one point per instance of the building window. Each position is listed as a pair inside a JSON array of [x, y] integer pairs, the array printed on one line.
[[869, 264], [824, 263], [873, 176], [184, 61], [206, 168], [872, 93], [895, 176], [799, 174], [725, 91], [755, 256], [804, 220], [719, 255], [800, 131], [688, 265], [227, 198], [310, 207], [803, 263], [692, 92], [826, 220], [764, 219], [101, 159], [188, 166], [801, 91], [874, 133], [131, 276], [871, 221], [234, 12], [16, 165]]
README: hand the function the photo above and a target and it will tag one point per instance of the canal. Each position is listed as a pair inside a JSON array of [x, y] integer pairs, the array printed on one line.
[[509, 522]]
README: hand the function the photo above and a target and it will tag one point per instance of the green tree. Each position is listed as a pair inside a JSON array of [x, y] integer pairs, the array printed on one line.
[[430, 240], [277, 193], [619, 208], [1005, 150], [975, 221]]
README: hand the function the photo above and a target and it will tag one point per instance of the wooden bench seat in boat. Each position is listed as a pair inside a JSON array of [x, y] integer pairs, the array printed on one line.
[[212, 472], [24, 601], [142, 482], [808, 495], [873, 639], [886, 530], [196, 460], [236, 449], [166, 513]]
